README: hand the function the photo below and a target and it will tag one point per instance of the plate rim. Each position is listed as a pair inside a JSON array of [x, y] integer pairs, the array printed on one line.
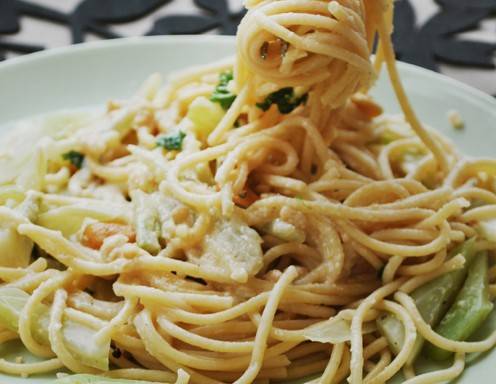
[[46, 54]]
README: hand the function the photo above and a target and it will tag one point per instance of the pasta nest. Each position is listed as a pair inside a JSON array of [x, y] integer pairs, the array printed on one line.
[[323, 45]]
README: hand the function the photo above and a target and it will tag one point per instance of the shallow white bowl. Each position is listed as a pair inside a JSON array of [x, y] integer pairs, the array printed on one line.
[[88, 75]]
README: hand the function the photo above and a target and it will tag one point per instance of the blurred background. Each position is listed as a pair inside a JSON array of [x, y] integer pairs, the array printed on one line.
[[455, 37]]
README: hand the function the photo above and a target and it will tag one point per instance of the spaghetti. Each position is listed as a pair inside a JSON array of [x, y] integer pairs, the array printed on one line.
[[254, 220]]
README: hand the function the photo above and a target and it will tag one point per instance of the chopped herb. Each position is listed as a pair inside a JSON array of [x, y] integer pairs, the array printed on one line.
[[285, 99], [222, 94], [75, 158], [172, 142]]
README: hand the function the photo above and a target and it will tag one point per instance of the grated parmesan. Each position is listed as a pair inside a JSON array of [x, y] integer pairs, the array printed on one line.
[[455, 119]]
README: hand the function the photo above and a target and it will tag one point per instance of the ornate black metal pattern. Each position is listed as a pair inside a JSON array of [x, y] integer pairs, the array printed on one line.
[[436, 41]]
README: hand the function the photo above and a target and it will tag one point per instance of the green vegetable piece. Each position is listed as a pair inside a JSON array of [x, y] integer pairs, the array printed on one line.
[[12, 301], [69, 219], [147, 222], [284, 231], [222, 94], [83, 345], [392, 329], [75, 158], [205, 116], [233, 248], [471, 308], [335, 330], [285, 99], [432, 300], [15, 249], [487, 229], [92, 379], [481, 333], [172, 142], [78, 337]]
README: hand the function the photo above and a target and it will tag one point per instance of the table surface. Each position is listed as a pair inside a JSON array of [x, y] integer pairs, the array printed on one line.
[[455, 37]]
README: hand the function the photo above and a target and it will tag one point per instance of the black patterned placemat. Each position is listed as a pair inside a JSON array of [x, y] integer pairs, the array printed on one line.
[[435, 42]]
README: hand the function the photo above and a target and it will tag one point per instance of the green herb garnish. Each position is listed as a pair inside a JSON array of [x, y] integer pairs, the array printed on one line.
[[172, 142], [285, 99], [75, 158], [222, 94]]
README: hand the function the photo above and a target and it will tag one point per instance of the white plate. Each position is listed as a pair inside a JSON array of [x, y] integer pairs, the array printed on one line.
[[91, 74]]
